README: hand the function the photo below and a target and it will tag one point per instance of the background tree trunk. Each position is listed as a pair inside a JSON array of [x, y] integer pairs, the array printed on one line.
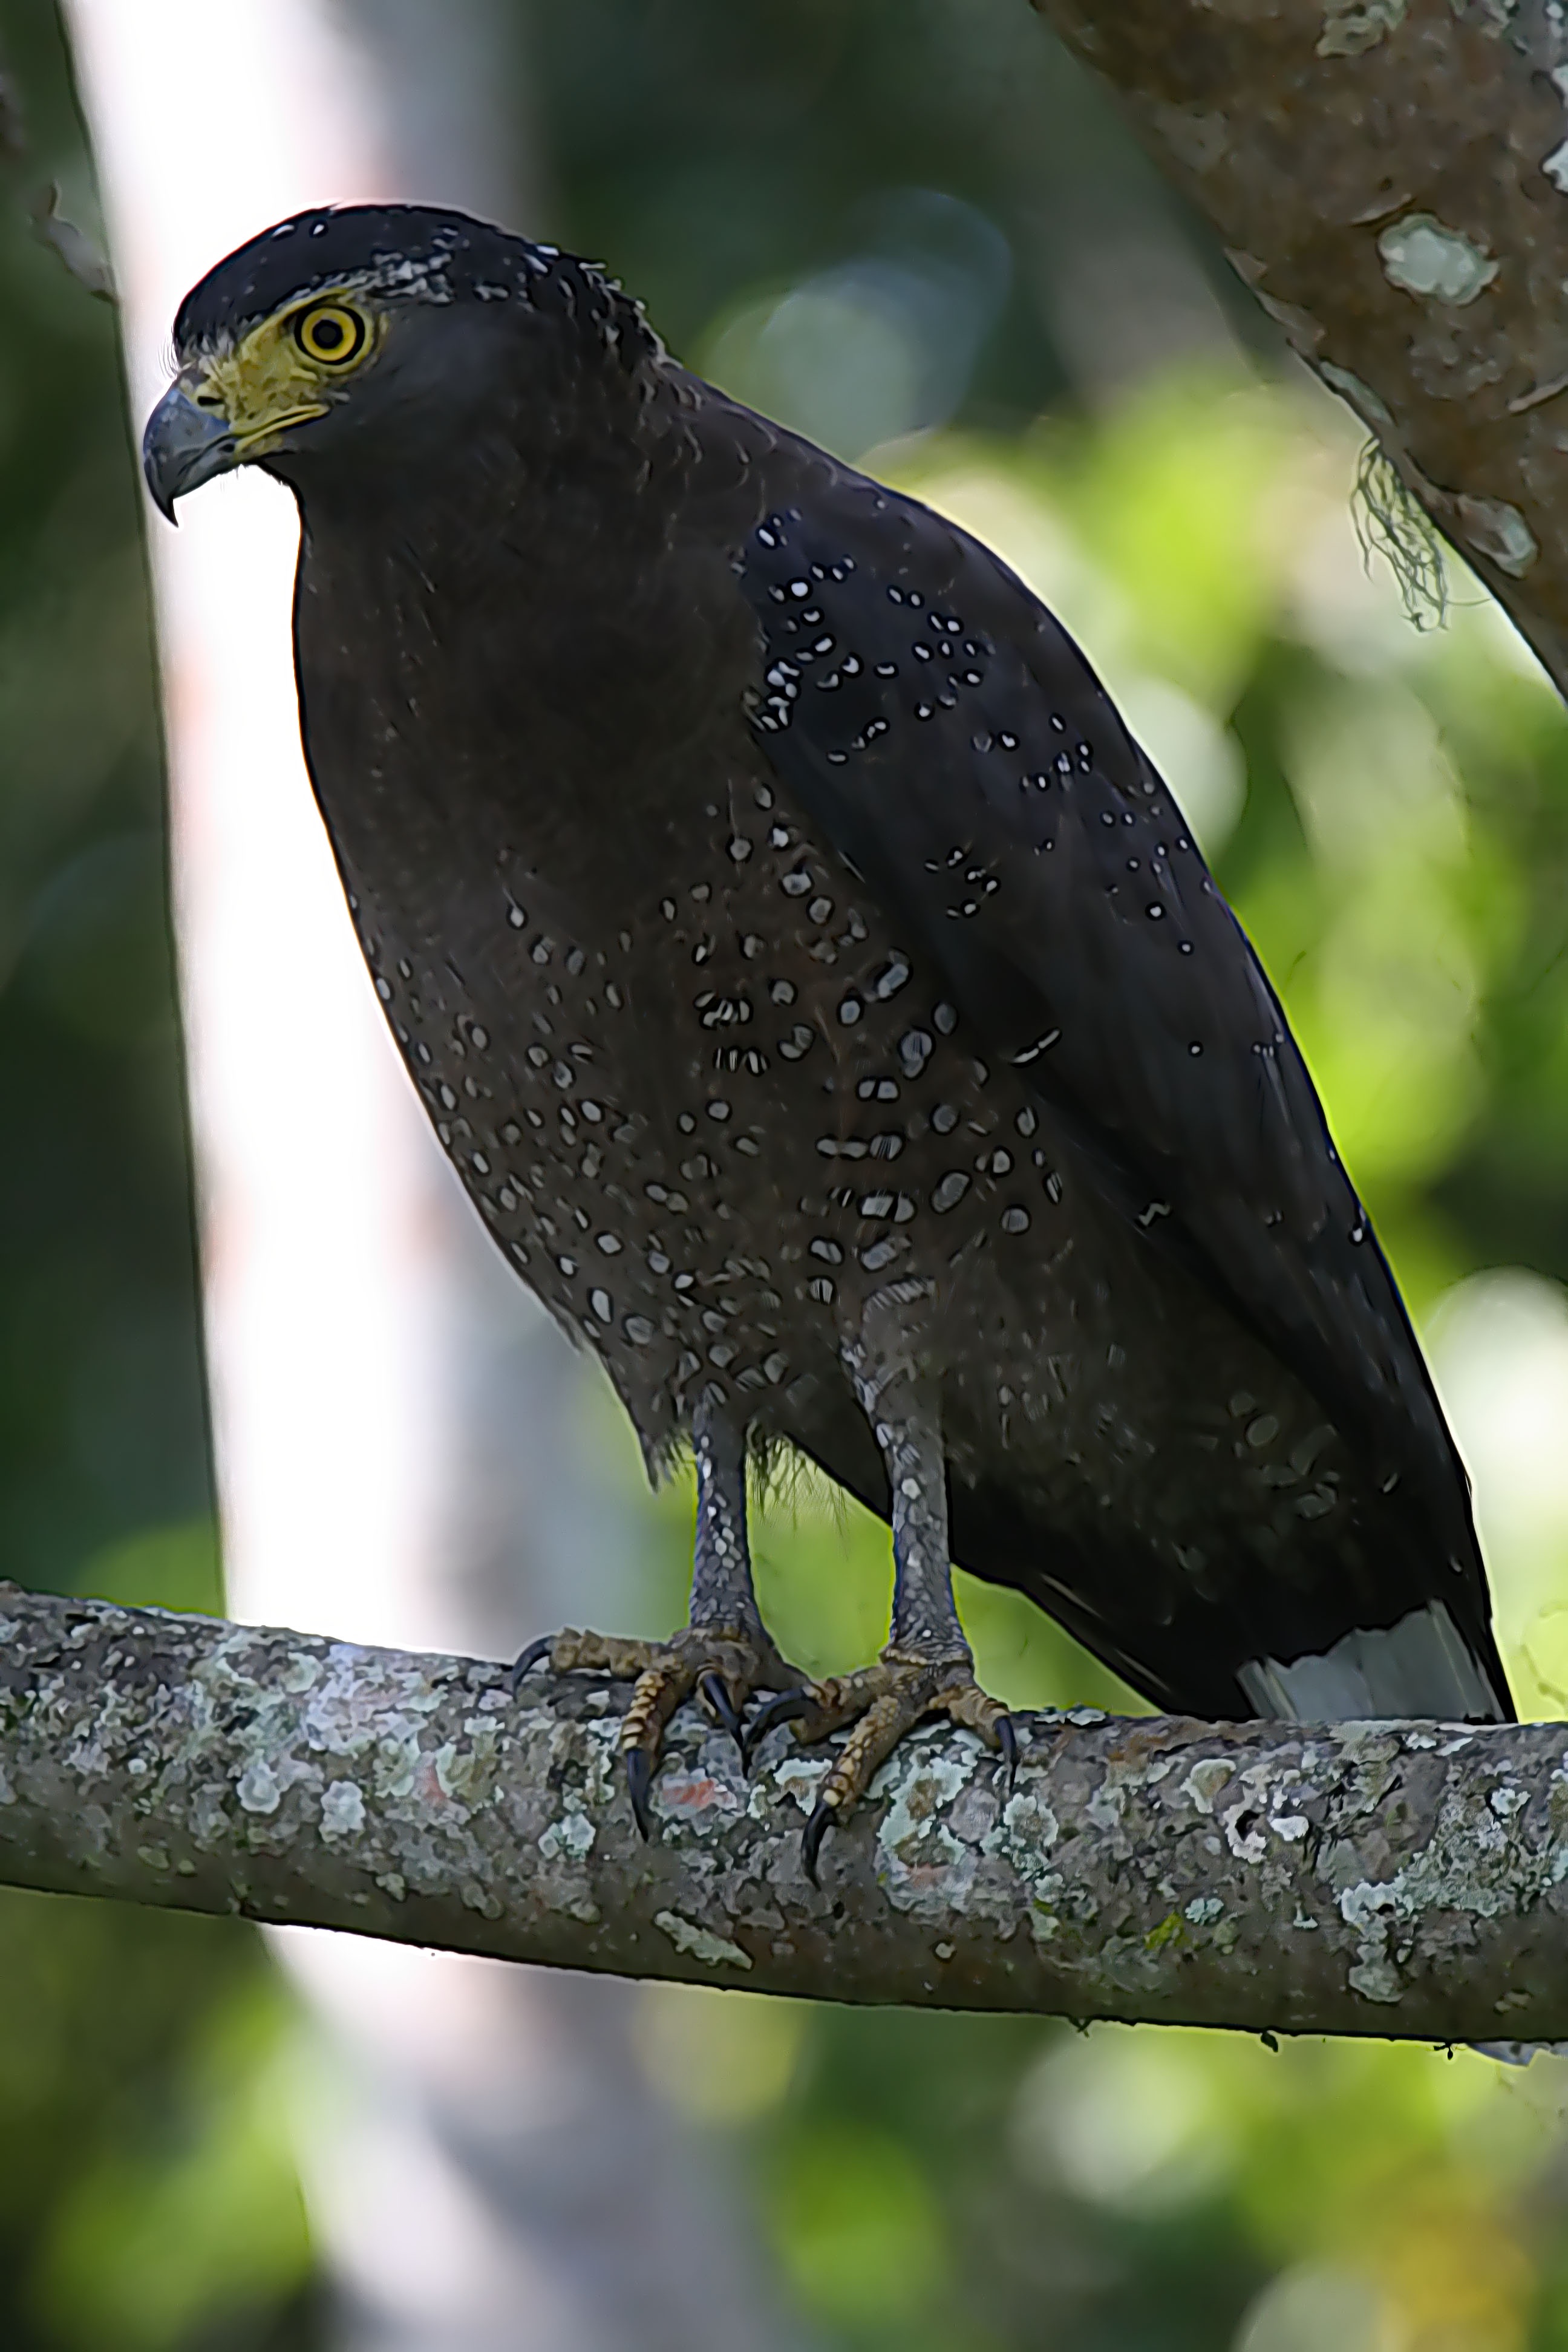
[[398, 1430]]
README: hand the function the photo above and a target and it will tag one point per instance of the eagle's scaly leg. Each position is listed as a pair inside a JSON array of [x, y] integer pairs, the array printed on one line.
[[927, 1667], [724, 1652]]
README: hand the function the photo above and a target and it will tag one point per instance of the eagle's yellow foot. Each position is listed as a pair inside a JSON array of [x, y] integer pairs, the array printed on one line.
[[725, 1664], [883, 1702]]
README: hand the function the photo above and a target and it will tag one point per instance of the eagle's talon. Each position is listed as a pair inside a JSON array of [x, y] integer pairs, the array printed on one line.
[[722, 1665], [716, 1698], [523, 1666], [881, 1704], [639, 1787], [789, 1706], [821, 1821]]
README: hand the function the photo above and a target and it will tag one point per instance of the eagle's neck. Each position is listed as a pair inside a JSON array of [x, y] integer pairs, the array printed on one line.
[[534, 639]]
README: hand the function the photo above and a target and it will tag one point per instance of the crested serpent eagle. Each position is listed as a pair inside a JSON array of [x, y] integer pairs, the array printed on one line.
[[826, 1005]]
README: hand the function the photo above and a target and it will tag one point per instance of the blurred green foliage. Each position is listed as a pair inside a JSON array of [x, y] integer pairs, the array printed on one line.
[[908, 226]]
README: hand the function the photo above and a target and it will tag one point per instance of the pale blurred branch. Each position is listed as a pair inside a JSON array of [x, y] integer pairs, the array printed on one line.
[[1391, 179], [1401, 1879]]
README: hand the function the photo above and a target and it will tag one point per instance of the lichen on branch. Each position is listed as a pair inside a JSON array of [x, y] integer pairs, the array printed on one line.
[[1390, 1879]]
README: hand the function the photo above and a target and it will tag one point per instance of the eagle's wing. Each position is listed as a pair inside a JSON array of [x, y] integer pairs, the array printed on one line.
[[947, 736]]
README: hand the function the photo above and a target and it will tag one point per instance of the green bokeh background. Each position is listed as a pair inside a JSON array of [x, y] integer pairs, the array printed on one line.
[[908, 227]]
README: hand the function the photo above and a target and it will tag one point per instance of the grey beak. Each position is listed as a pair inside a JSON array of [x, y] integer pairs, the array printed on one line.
[[182, 447]]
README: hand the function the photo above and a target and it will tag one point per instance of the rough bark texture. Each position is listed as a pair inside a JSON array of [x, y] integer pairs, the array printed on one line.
[[1391, 179], [1404, 1879]]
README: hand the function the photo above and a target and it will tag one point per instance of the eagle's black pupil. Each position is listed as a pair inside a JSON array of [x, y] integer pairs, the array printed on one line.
[[329, 333]]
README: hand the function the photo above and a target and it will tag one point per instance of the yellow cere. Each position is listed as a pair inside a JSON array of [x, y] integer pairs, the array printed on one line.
[[279, 375]]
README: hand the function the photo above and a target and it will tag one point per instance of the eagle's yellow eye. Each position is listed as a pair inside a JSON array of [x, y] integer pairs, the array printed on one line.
[[330, 334]]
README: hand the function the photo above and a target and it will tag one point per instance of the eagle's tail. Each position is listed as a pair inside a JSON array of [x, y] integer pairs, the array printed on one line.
[[1423, 1665]]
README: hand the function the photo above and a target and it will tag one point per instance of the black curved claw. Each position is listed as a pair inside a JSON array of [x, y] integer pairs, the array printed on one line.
[[789, 1706], [1007, 1740], [526, 1661], [639, 1785], [816, 1829], [719, 1705]]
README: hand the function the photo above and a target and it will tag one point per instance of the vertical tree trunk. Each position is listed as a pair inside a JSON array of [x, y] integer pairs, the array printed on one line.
[[396, 1425]]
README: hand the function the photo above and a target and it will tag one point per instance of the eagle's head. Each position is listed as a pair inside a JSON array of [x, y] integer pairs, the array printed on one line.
[[342, 342]]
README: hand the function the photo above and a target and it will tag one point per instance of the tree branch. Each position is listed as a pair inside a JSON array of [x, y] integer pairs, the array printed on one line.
[[1391, 179], [1401, 1879]]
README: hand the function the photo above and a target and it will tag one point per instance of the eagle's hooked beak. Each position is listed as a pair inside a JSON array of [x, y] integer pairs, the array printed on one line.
[[184, 446]]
